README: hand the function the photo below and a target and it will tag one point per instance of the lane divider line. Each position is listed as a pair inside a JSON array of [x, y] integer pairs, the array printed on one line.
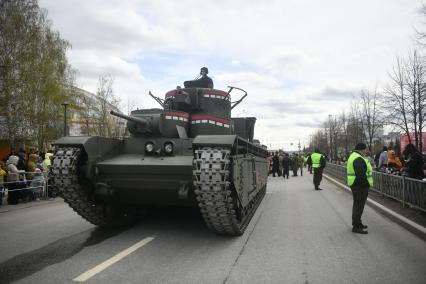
[[107, 263]]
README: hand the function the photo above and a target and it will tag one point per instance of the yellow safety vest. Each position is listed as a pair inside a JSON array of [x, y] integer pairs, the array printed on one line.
[[351, 171], [316, 160]]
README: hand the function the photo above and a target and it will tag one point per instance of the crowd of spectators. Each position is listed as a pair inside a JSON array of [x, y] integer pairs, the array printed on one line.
[[23, 175], [410, 163]]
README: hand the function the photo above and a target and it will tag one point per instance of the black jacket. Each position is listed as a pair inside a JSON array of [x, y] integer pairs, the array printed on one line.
[[286, 162], [203, 82], [415, 165], [360, 168]]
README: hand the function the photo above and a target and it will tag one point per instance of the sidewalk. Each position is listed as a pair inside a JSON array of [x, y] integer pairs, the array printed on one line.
[[413, 220], [7, 208]]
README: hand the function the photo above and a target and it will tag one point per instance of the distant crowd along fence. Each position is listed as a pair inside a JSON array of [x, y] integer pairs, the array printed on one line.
[[26, 185], [406, 190]]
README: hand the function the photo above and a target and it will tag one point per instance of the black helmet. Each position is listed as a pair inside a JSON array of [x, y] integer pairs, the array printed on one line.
[[205, 69]]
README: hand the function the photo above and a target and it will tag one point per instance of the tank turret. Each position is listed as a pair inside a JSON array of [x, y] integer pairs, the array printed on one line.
[[156, 122]]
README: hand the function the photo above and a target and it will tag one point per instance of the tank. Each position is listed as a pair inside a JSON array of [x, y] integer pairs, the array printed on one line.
[[189, 152]]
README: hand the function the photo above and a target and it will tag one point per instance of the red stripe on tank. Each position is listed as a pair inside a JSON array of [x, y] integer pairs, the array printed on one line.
[[173, 93], [210, 117], [223, 94], [176, 113]]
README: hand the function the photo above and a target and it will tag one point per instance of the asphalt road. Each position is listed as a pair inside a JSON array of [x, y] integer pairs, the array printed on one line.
[[298, 235]]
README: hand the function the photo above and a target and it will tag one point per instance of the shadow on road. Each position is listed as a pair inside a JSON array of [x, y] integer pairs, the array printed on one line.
[[26, 264], [181, 225]]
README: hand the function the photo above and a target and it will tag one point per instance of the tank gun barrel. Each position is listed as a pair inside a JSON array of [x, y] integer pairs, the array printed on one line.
[[137, 120]]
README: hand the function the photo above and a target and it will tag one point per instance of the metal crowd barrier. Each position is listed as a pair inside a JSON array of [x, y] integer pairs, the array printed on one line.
[[44, 188], [408, 191]]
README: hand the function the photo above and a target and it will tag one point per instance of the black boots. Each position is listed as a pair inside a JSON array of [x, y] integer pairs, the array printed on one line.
[[359, 230]]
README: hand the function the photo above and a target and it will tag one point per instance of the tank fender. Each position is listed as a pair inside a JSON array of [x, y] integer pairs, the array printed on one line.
[[94, 146], [214, 140]]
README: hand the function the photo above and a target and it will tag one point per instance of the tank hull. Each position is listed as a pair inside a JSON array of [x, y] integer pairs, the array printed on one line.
[[189, 153], [138, 179]]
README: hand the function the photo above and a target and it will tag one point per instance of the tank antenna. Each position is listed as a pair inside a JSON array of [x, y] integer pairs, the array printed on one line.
[[157, 99]]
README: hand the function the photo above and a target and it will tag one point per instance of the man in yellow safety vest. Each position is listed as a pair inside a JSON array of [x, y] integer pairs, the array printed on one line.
[[359, 178], [317, 162]]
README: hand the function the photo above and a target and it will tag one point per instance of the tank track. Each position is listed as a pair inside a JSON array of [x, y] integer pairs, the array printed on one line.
[[216, 198], [64, 172]]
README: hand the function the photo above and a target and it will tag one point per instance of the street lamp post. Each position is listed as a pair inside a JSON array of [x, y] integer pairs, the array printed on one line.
[[65, 104]]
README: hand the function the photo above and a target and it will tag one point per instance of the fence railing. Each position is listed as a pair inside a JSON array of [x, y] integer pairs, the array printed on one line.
[[406, 190], [26, 186]]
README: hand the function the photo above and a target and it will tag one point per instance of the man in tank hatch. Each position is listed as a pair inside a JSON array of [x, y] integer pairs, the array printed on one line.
[[203, 82]]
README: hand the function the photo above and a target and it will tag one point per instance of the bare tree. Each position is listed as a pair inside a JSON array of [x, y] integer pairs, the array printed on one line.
[[369, 115], [344, 128], [106, 99], [405, 97], [415, 84]]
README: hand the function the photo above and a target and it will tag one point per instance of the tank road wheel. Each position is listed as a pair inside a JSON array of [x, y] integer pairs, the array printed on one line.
[[216, 195], [78, 192]]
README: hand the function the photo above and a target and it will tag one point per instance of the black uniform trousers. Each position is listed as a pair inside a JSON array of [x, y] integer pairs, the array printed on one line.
[[317, 176], [360, 194], [286, 171]]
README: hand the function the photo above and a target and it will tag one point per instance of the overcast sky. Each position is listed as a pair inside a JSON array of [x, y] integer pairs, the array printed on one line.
[[299, 60]]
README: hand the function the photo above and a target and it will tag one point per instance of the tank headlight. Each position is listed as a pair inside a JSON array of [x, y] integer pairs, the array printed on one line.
[[168, 148], [149, 147]]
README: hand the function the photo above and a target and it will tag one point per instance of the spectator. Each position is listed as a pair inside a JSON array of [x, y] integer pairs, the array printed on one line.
[[13, 176], [31, 165], [47, 162], [37, 184], [414, 162], [2, 180], [22, 163], [370, 159], [383, 159], [394, 164]]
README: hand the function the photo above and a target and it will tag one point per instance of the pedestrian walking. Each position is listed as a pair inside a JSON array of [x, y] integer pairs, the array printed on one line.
[[301, 164], [317, 162], [275, 164], [295, 164], [286, 165], [309, 162], [359, 179]]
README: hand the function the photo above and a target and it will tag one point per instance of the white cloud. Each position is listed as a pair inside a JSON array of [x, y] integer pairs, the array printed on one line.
[[291, 56]]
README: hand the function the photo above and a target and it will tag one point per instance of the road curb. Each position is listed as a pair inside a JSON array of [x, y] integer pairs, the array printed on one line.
[[22, 206], [411, 226]]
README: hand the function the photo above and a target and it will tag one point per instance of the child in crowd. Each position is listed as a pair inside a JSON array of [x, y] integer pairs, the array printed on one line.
[[37, 184], [2, 180]]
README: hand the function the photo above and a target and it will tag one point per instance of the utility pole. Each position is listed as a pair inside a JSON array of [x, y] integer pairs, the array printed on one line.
[[65, 104]]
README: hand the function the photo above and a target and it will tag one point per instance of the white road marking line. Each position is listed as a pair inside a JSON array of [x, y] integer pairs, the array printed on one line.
[[107, 263]]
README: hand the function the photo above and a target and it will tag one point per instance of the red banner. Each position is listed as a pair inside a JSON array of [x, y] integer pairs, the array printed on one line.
[[404, 141]]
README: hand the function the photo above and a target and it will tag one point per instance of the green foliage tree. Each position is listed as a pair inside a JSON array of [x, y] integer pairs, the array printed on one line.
[[34, 73]]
